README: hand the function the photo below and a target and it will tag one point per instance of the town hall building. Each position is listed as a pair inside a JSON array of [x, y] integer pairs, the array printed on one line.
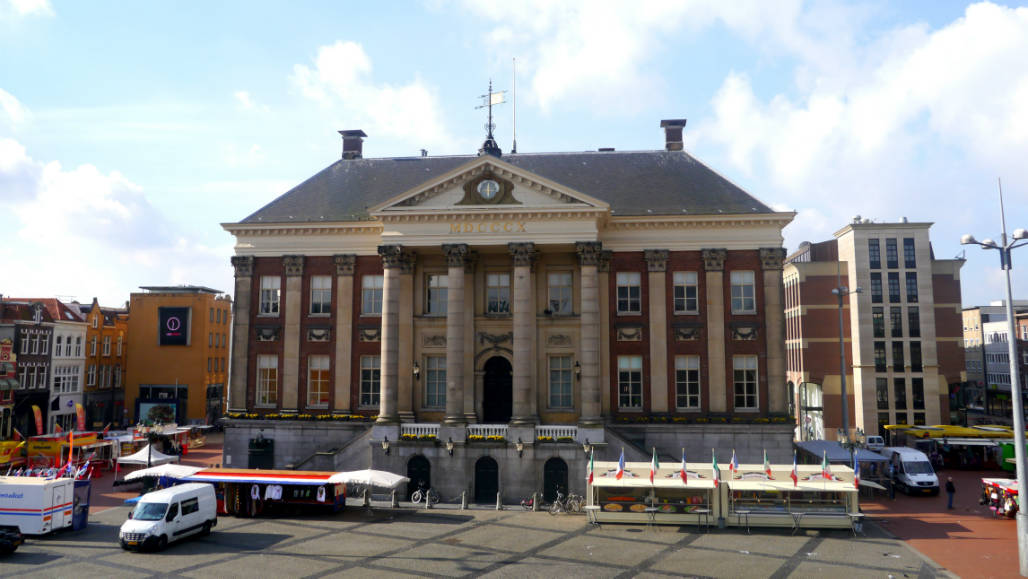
[[476, 322]]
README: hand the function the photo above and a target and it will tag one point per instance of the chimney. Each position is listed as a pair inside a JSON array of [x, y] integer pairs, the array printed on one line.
[[673, 133], [353, 144]]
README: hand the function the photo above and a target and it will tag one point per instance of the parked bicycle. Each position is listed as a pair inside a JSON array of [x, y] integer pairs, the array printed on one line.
[[571, 503], [425, 494], [528, 503]]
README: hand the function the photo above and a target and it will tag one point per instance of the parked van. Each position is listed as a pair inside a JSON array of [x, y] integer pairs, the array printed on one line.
[[170, 514], [912, 472], [875, 443]]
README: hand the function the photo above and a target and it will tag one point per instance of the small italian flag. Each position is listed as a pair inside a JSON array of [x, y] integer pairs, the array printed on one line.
[[767, 465], [717, 469], [654, 465], [591, 457], [826, 471]]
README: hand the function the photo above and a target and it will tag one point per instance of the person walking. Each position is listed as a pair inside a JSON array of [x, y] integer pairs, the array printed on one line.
[[951, 490], [892, 483]]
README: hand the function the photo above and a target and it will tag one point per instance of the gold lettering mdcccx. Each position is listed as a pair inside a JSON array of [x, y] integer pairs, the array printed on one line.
[[489, 227]]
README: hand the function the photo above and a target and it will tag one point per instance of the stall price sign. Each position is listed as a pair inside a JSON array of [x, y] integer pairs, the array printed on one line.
[[174, 326]]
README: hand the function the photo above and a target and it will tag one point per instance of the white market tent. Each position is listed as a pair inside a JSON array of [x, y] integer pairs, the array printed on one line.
[[147, 455], [176, 471]]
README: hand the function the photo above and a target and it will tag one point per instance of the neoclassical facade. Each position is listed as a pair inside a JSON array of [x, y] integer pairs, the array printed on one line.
[[509, 308]]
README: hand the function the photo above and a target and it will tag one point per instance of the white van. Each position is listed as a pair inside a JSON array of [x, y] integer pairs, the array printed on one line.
[[875, 443], [912, 472], [170, 514]]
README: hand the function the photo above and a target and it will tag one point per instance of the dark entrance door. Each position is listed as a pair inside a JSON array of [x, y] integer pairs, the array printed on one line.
[[487, 480], [555, 475], [497, 391], [418, 469]]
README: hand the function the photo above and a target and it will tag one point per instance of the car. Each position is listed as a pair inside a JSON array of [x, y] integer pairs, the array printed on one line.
[[10, 538], [168, 515], [875, 443]]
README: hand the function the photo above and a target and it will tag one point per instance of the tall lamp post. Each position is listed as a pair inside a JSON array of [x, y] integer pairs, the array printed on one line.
[[841, 292], [1004, 247]]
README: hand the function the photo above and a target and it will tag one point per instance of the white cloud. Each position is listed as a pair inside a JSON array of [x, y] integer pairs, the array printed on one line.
[[248, 157], [14, 113], [247, 103], [340, 80], [29, 7]]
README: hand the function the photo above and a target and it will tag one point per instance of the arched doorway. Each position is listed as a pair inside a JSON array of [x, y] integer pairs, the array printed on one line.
[[487, 480], [497, 391], [555, 474], [418, 469]]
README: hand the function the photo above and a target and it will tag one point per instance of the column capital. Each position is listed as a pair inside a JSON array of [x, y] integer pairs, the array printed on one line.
[[772, 257], [522, 253], [603, 265], [243, 265], [345, 263], [714, 259], [589, 252], [407, 261], [293, 265], [656, 259], [456, 254], [392, 255], [469, 261]]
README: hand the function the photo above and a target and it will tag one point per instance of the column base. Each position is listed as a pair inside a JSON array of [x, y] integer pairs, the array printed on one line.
[[454, 421], [524, 421], [590, 422], [408, 417], [470, 418], [388, 420]]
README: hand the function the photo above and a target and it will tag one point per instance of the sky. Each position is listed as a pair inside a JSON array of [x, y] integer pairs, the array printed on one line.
[[130, 131]]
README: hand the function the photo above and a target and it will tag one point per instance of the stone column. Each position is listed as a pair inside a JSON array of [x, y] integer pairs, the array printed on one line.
[[456, 254], [343, 332], [589, 350], [656, 265], [714, 265], [405, 339], [292, 301], [471, 390], [771, 259], [241, 313], [392, 261], [603, 267], [523, 255]]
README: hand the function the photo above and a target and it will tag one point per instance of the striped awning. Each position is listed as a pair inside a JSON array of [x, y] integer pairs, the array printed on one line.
[[255, 476]]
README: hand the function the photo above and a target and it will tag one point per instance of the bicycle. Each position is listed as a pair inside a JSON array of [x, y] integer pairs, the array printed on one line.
[[571, 503], [528, 503], [428, 495]]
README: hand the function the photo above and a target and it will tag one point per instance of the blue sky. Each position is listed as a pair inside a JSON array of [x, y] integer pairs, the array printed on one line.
[[130, 131]]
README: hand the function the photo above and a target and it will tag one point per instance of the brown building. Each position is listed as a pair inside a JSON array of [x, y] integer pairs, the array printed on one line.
[[106, 355], [177, 357], [902, 330]]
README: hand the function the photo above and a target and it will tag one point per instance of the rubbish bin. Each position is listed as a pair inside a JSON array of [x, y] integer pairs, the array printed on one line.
[[80, 512]]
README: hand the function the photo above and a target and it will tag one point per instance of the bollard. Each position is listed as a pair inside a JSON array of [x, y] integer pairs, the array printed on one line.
[[464, 500], [428, 501], [535, 502], [499, 505], [367, 498], [395, 502]]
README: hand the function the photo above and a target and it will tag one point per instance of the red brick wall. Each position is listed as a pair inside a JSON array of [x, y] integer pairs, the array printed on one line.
[[263, 266], [366, 265]]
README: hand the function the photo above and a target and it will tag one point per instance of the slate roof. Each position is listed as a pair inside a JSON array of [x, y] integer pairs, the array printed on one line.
[[632, 182]]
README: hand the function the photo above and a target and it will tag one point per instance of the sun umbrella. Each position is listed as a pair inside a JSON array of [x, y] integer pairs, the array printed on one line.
[[369, 477], [168, 470]]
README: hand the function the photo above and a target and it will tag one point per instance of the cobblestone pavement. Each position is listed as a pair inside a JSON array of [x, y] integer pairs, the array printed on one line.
[[446, 542]]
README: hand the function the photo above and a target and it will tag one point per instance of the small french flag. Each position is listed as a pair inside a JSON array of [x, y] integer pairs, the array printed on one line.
[[795, 475], [621, 466]]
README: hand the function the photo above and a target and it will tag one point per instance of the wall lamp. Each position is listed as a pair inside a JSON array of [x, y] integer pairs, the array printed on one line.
[[520, 446], [578, 370], [416, 370], [385, 444], [587, 447], [449, 446]]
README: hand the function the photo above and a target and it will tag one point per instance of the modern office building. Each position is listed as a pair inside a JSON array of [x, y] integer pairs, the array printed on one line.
[[902, 330], [493, 314], [984, 398], [177, 359]]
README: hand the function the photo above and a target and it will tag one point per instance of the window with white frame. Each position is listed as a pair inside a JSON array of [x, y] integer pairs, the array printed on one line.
[[630, 382], [436, 294], [267, 381], [120, 342], [58, 342], [321, 295], [435, 382], [24, 342], [91, 375], [271, 293], [743, 301], [497, 293], [559, 296], [117, 376], [35, 343], [687, 382], [44, 343], [317, 381], [92, 346], [686, 292], [560, 382], [371, 380], [67, 346], [96, 321], [745, 379], [629, 292], [371, 295], [107, 346], [78, 346]]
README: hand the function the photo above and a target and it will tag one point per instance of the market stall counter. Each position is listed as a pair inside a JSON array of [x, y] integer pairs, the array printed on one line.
[[251, 492], [668, 500]]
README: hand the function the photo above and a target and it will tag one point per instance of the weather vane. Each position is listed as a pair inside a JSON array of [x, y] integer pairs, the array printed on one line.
[[489, 147]]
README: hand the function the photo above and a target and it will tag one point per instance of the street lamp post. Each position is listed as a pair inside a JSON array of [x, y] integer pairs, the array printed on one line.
[[841, 292], [1004, 248]]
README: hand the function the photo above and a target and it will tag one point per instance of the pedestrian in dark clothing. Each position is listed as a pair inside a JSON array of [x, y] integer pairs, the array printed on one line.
[[950, 491]]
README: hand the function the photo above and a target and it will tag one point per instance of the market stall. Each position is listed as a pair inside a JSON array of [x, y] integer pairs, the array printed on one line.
[[99, 454], [813, 501], [251, 492], [47, 450], [667, 500]]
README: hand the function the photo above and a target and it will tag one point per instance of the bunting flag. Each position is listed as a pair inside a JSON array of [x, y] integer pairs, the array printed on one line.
[[621, 466], [733, 467], [826, 471], [856, 473], [58, 429], [80, 417], [684, 474], [18, 435], [717, 469], [795, 475], [591, 457], [71, 451], [106, 428], [39, 419], [654, 465], [767, 465]]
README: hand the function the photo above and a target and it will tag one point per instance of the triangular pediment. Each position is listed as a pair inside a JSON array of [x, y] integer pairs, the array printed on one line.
[[487, 183]]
